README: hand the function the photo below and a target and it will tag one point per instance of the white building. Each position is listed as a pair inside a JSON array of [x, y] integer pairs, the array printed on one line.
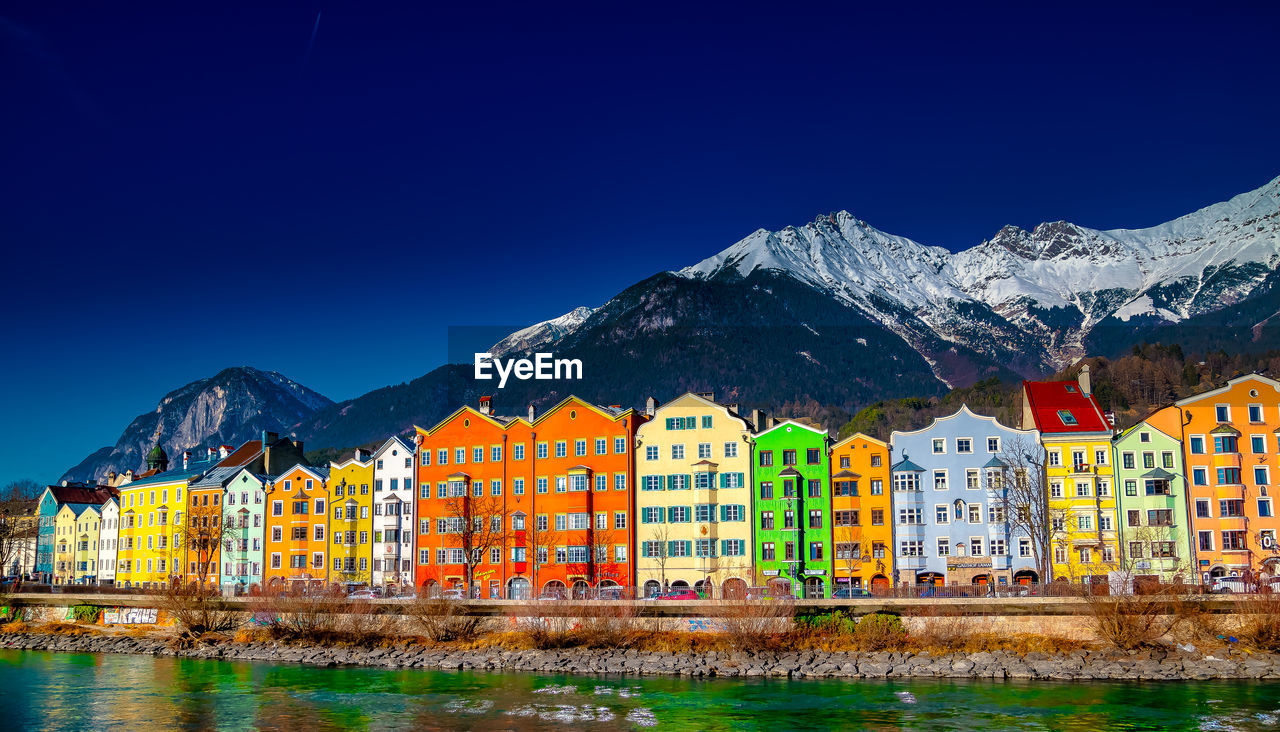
[[393, 509], [108, 539]]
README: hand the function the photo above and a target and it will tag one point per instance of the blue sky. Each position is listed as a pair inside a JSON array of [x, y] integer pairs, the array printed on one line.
[[177, 177]]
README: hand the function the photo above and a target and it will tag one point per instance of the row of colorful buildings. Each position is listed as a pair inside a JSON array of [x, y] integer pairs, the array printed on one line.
[[695, 493]]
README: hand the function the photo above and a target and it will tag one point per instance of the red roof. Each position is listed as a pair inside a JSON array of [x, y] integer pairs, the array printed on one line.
[[1060, 406], [96, 495]]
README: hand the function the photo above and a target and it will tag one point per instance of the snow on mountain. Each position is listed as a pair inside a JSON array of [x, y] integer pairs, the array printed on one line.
[[540, 334], [1020, 290]]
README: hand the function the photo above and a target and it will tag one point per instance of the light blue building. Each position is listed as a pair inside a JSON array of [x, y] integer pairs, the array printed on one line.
[[949, 504], [244, 534]]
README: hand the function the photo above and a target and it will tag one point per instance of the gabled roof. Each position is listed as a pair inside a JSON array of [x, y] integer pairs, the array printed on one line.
[[846, 474], [393, 441], [315, 472], [791, 422], [692, 397], [193, 471], [1224, 429], [790, 472], [963, 411], [859, 436], [84, 493], [1262, 381], [217, 477], [1055, 405]]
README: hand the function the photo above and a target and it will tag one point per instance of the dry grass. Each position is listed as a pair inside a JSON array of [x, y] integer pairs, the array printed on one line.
[[756, 624], [14, 626], [1259, 621], [607, 625], [62, 628], [1132, 621]]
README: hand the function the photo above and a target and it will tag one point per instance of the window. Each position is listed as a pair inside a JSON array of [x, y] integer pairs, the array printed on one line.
[[1068, 419], [1131, 487], [540, 451], [766, 458], [1255, 413], [975, 513], [909, 516], [939, 446], [1055, 458], [1160, 517], [651, 452], [815, 489], [912, 549], [517, 451], [1228, 476], [602, 446], [877, 517], [1084, 521], [731, 449], [939, 480], [620, 445], [1264, 508], [944, 546], [815, 519], [1261, 475], [1199, 476], [941, 514], [767, 553], [562, 448], [1225, 444], [704, 450], [813, 456], [677, 452], [1231, 508], [766, 490], [1127, 460], [1222, 412], [1148, 460], [1233, 541], [579, 448], [766, 520], [788, 457]]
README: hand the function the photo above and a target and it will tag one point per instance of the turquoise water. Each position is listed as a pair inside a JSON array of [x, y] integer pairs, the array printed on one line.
[[84, 691]]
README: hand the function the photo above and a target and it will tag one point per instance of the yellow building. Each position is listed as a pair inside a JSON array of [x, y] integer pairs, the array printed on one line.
[[85, 558], [150, 553], [64, 544], [693, 497], [1076, 435], [351, 519]]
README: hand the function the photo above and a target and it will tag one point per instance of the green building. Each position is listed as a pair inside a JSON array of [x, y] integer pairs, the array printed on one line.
[[792, 510], [1151, 487]]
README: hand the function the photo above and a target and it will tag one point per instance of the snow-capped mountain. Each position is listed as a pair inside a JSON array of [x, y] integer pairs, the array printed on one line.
[[540, 334], [1021, 292]]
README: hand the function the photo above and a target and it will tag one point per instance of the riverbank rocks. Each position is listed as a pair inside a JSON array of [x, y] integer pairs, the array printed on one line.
[[1153, 664]]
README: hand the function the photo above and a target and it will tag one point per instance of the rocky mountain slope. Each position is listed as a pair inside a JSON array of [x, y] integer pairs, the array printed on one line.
[[235, 405]]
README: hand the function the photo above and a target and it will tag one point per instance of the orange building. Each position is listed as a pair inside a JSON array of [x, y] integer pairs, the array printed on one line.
[[862, 518], [582, 475], [527, 505], [1230, 445], [296, 547], [201, 533], [469, 505]]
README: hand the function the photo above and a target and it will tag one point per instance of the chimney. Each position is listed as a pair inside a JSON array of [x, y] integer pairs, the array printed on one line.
[[212, 453], [225, 450], [273, 437], [1086, 387], [757, 419], [362, 454], [732, 408], [186, 458], [650, 406], [532, 413], [486, 405], [708, 395]]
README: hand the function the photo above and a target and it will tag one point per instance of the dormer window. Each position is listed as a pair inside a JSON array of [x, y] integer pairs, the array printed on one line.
[[1071, 388], [1067, 417]]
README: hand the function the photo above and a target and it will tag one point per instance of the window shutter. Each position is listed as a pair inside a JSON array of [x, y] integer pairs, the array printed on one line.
[[724, 480], [661, 514], [741, 479], [688, 548], [688, 514], [671, 548], [688, 481], [662, 482]]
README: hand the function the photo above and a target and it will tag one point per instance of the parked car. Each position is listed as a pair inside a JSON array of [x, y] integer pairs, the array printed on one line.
[[682, 594], [1231, 585], [609, 593], [453, 593], [849, 593], [362, 595]]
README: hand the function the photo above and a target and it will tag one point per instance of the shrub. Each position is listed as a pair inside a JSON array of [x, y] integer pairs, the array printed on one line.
[[199, 610], [1129, 621], [363, 623], [756, 624], [879, 631], [607, 625], [442, 619], [545, 625], [1259, 621], [86, 613]]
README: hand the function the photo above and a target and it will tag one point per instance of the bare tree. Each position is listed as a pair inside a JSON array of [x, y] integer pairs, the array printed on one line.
[[1020, 488], [200, 537], [479, 524], [541, 542], [848, 548], [661, 534], [19, 529]]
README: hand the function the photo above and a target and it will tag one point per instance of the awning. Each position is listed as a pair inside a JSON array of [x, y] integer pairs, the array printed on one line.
[[1159, 474], [845, 474], [995, 462], [790, 473]]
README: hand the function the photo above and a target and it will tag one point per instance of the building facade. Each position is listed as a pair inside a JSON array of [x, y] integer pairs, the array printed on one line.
[[1076, 435], [693, 498], [394, 504], [297, 543], [245, 511], [351, 500], [951, 505], [861, 513], [108, 539], [1230, 447], [792, 507], [1151, 497]]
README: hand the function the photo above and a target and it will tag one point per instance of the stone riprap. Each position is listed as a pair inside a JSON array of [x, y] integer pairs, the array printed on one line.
[[1081, 665]]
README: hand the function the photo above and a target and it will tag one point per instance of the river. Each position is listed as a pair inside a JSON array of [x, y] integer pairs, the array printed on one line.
[[84, 691]]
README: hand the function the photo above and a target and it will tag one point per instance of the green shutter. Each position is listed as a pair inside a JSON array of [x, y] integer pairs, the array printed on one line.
[[671, 422], [688, 516], [688, 480], [662, 513], [724, 480], [662, 482]]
